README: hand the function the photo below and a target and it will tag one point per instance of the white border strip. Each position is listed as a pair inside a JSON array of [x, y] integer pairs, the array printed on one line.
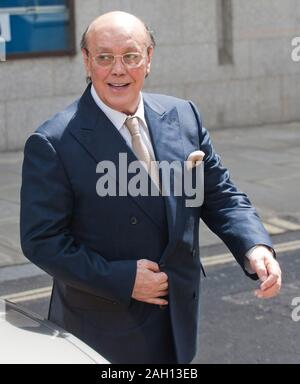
[[33, 294], [228, 258]]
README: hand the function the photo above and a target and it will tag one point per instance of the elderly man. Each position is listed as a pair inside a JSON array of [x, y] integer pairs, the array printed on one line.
[[126, 267]]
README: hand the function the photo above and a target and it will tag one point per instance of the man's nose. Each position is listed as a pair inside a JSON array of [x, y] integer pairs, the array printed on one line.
[[118, 68]]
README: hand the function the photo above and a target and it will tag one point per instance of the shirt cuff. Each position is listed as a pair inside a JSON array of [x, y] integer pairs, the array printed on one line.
[[249, 253]]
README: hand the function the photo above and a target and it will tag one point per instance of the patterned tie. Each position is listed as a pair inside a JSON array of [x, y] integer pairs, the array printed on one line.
[[140, 148]]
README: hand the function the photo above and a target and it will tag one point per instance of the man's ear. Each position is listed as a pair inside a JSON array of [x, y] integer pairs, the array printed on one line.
[[86, 61], [150, 52]]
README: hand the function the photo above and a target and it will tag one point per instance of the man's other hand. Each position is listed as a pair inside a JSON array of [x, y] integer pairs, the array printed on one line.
[[150, 284], [268, 270]]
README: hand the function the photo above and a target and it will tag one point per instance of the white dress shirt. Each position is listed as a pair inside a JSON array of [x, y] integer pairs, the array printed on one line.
[[118, 119]]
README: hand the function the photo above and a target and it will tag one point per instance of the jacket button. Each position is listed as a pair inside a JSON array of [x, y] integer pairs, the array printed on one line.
[[162, 265], [133, 220], [194, 295]]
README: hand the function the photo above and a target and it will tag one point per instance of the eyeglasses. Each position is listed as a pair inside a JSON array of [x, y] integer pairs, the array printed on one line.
[[130, 59]]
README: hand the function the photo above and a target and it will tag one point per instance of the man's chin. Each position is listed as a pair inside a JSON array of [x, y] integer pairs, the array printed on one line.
[[124, 108], [121, 104]]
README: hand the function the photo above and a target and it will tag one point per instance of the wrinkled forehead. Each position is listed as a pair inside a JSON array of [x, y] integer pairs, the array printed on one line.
[[117, 36]]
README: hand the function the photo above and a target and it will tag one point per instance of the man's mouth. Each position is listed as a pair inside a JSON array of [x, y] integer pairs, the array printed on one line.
[[118, 86]]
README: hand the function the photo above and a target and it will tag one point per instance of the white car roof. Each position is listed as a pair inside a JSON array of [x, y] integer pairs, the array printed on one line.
[[26, 338]]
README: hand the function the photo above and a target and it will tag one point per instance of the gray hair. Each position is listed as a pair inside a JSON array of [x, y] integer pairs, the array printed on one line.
[[150, 33]]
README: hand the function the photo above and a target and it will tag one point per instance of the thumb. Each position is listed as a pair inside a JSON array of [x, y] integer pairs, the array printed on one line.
[[260, 269], [148, 264]]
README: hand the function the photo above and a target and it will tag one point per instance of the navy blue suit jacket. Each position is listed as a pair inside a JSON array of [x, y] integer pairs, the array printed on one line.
[[90, 244]]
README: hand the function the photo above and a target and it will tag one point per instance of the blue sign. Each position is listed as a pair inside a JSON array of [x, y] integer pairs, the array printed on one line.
[[33, 27]]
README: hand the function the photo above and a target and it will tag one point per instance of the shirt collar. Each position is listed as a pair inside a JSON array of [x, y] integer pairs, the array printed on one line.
[[116, 117]]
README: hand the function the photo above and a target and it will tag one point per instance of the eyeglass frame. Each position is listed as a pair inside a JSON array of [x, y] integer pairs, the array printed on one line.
[[122, 60]]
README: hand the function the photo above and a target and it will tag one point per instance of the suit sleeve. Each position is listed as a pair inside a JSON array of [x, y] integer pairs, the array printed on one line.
[[46, 239], [227, 211]]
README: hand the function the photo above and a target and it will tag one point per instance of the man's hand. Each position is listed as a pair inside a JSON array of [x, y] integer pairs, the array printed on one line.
[[268, 270], [150, 283]]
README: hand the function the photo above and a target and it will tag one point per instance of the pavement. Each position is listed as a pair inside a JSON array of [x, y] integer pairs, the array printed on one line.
[[264, 162]]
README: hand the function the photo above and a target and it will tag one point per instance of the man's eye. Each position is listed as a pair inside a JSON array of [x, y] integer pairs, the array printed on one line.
[[105, 58], [131, 56]]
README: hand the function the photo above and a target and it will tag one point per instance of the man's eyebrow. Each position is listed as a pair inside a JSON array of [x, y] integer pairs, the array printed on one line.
[[103, 49], [109, 50]]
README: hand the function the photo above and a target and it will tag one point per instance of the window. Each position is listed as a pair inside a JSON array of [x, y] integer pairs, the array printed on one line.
[[37, 27]]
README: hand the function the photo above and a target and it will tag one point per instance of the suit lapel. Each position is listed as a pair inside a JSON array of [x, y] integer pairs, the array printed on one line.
[[95, 132], [164, 128]]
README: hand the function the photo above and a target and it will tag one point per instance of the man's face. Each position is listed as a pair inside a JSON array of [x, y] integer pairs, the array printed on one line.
[[118, 86]]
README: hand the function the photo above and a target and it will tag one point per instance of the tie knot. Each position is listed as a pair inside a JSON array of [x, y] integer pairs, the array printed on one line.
[[133, 125]]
